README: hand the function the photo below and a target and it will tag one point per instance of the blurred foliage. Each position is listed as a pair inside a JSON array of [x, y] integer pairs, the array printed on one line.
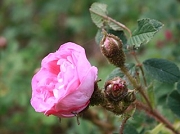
[[33, 29]]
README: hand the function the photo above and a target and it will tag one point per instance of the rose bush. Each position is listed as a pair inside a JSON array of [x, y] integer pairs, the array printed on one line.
[[65, 82]]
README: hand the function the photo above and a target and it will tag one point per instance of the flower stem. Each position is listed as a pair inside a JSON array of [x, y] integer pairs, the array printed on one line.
[[140, 66], [136, 85], [123, 124], [147, 108], [121, 25], [156, 115]]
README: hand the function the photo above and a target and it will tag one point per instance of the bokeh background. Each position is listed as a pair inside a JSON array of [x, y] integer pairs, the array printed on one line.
[[30, 29]]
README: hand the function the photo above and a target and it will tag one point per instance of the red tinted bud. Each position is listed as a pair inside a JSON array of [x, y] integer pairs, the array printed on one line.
[[111, 47], [115, 89], [108, 43]]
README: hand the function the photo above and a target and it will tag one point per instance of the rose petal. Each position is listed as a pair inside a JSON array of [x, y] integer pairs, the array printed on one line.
[[81, 96]]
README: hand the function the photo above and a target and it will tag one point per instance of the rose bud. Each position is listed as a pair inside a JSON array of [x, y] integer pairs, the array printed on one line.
[[65, 82], [115, 89], [111, 47]]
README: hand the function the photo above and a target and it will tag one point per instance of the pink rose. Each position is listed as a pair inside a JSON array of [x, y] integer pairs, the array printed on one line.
[[65, 82]]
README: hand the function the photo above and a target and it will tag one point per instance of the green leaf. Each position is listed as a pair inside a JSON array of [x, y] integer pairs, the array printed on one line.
[[119, 34], [178, 86], [173, 102], [114, 26], [99, 16], [146, 30], [129, 129], [157, 25], [98, 36], [151, 96], [98, 12], [162, 70], [156, 130], [162, 90], [117, 72]]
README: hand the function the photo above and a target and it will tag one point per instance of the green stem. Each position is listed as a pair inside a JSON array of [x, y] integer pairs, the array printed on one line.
[[136, 85], [148, 109], [140, 66], [114, 21], [121, 25]]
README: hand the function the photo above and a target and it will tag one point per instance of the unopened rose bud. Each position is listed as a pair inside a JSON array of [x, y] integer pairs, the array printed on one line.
[[115, 89], [111, 47]]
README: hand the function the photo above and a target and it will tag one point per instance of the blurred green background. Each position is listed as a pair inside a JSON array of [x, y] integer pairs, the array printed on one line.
[[29, 30]]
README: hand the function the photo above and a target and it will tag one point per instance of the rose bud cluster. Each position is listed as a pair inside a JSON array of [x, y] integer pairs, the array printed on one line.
[[65, 82], [117, 96], [111, 47]]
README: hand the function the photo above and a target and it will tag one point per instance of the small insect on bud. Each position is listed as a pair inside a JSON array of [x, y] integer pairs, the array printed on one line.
[[111, 47], [115, 89]]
